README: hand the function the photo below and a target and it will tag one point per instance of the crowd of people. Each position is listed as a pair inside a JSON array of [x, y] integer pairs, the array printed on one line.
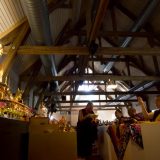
[[143, 116], [87, 123]]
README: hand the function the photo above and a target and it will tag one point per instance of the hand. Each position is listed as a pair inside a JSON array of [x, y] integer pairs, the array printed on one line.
[[91, 116], [140, 100]]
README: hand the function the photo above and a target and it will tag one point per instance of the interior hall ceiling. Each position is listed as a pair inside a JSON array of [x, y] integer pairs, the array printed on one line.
[[91, 24]]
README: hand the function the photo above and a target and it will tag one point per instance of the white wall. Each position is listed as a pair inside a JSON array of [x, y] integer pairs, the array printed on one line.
[[73, 118], [102, 115], [58, 116], [106, 115]]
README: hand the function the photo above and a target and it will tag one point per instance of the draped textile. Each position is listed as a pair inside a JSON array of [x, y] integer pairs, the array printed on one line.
[[120, 140]]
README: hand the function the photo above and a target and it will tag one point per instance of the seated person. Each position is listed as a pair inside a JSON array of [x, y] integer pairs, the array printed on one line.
[[136, 116], [121, 119], [153, 116], [119, 116]]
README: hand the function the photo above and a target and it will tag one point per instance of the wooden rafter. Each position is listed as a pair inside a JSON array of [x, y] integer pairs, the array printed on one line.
[[9, 38], [59, 40], [12, 28], [148, 27], [130, 34], [136, 64], [30, 68], [103, 4], [156, 65], [52, 5], [6, 64], [114, 22], [30, 84], [67, 84], [65, 61]]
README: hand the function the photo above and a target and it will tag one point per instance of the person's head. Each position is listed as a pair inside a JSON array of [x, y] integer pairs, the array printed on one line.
[[89, 107], [158, 101], [131, 112], [118, 113]]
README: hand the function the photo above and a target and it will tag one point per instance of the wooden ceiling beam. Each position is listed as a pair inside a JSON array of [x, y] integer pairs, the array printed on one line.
[[54, 4], [60, 50], [96, 106], [101, 93], [93, 78], [98, 101]]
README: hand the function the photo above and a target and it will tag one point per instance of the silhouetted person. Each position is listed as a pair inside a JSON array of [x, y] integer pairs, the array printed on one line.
[[86, 131]]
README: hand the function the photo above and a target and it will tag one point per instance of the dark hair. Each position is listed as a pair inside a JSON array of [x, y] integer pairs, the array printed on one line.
[[89, 103], [118, 110]]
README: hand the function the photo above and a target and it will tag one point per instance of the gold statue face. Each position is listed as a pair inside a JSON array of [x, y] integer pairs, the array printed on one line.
[[18, 95]]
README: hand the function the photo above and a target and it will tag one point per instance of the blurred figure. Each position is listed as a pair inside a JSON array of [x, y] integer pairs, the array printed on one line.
[[119, 120], [136, 116], [86, 131], [119, 116], [153, 116], [85, 113]]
